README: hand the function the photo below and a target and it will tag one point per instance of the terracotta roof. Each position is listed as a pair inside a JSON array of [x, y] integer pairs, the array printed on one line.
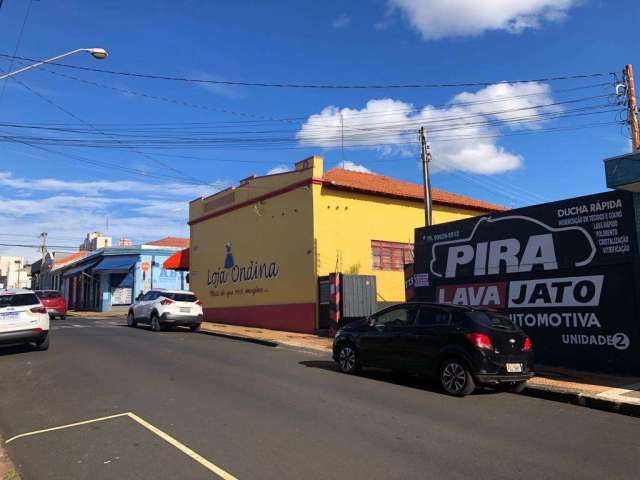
[[71, 258], [381, 185], [176, 242]]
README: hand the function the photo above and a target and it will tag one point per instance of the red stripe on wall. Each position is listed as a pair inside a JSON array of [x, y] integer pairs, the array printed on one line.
[[295, 317]]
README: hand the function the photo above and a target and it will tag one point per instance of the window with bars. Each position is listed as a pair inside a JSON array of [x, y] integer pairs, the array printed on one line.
[[391, 255]]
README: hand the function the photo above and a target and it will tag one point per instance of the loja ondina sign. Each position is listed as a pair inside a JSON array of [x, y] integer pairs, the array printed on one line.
[[566, 272]]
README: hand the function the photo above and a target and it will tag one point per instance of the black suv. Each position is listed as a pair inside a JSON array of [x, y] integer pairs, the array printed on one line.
[[462, 346]]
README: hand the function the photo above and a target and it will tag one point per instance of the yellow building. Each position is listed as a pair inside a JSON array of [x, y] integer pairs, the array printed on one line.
[[259, 249]]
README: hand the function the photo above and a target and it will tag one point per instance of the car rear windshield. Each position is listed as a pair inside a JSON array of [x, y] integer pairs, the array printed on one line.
[[181, 297], [492, 320], [49, 294], [18, 300]]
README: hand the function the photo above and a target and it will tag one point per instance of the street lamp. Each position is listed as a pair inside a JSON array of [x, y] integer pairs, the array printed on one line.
[[97, 53]]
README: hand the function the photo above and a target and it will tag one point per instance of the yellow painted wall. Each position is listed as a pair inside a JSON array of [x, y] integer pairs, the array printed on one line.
[[277, 229], [346, 222], [310, 231]]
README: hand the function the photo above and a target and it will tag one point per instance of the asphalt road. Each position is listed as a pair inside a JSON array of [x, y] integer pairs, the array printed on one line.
[[260, 412]]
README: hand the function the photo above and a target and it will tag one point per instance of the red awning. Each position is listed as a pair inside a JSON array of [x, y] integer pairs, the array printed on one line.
[[178, 261]]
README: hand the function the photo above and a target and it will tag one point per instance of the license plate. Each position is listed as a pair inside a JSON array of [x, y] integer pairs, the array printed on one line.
[[185, 309], [9, 316], [514, 367]]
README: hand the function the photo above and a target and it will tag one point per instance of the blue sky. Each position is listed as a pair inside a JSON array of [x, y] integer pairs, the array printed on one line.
[[330, 42]]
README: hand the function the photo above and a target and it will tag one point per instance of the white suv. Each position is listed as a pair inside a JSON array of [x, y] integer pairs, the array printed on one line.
[[162, 308], [23, 319]]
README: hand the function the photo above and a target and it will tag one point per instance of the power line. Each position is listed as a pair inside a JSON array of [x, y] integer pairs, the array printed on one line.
[[17, 46], [72, 115], [66, 247], [314, 86]]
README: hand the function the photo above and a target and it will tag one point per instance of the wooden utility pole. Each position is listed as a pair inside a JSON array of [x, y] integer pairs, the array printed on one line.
[[426, 182], [632, 107]]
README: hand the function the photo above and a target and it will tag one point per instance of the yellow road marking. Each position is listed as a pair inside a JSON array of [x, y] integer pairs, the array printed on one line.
[[77, 424], [165, 436]]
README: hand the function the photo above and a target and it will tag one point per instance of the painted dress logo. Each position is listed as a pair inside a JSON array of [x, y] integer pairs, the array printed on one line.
[[228, 259], [233, 273]]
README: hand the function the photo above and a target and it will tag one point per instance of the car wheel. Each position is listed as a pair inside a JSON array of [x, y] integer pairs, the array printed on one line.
[[131, 320], [348, 360], [63, 317], [194, 328], [43, 344], [515, 387], [155, 323], [455, 378]]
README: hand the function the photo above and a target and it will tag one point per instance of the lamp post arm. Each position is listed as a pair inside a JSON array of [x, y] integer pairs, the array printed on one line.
[[37, 64]]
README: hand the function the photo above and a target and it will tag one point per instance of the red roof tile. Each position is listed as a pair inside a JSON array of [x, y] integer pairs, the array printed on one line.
[[176, 242], [386, 186], [71, 257]]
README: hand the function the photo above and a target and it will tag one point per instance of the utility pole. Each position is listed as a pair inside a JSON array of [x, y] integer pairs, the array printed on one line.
[[426, 182], [632, 107], [342, 136], [43, 244]]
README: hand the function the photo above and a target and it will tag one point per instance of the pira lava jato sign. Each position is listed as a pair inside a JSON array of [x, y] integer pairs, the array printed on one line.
[[566, 272]]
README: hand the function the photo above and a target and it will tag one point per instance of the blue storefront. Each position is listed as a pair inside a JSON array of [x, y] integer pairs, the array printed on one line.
[[116, 276]]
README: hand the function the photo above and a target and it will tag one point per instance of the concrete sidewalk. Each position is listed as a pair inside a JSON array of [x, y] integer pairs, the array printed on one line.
[[620, 394]]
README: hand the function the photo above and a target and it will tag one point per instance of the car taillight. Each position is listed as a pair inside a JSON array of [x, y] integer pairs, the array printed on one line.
[[527, 345], [38, 310], [480, 340], [198, 302], [36, 329], [166, 301]]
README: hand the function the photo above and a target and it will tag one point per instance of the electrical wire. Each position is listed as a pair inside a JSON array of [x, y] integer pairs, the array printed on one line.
[[67, 247], [72, 115], [17, 46], [296, 120], [313, 86]]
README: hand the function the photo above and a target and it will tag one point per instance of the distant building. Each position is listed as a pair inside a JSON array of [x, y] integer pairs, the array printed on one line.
[[43, 272], [13, 273], [94, 241], [175, 243], [125, 242], [115, 276]]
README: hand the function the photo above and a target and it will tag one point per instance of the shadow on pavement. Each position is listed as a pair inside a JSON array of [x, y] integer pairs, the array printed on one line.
[[396, 378], [18, 348]]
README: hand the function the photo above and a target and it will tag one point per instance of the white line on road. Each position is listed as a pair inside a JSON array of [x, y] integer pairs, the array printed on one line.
[[70, 425], [165, 436]]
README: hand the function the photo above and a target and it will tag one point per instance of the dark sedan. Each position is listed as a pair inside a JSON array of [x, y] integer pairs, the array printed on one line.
[[461, 346]]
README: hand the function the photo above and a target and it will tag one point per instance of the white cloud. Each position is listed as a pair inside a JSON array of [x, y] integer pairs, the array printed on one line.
[[102, 186], [455, 18], [68, 210], [279, 169], [463, 135], [341, 21], [354, 167]]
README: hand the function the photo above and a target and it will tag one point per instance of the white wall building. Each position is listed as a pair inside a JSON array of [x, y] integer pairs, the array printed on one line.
[[13, 273], [95, 241]]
